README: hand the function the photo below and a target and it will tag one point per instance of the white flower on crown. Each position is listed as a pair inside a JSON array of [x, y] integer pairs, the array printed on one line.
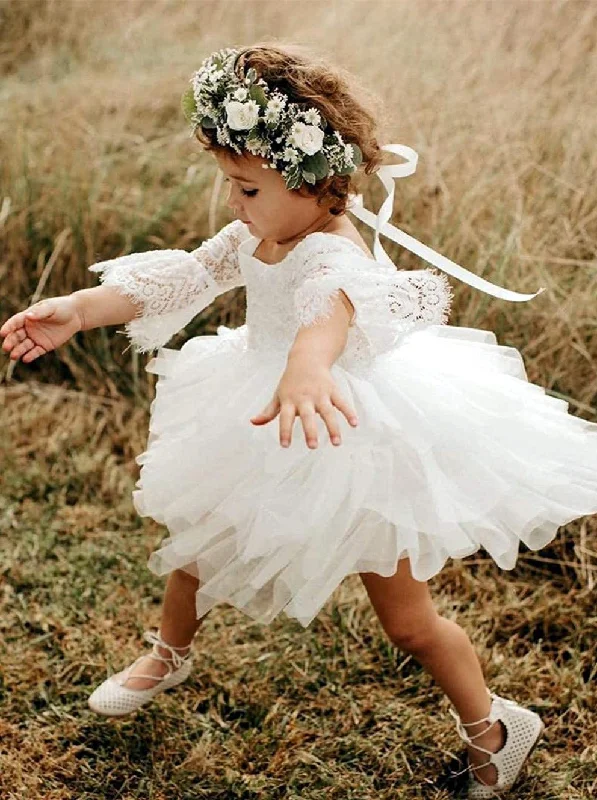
[[275, 104], [307, 138], [222, 136], [203, 110], [312, 117], [240, 94], [242, 116], [197, 82], [348, 152], [271, 115], [257, 147], [292, 155]]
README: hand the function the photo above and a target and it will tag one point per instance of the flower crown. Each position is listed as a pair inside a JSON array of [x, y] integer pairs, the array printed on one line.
[[246, 115]]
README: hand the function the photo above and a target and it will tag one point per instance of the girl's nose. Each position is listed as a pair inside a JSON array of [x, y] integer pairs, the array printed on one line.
[[232, 204]]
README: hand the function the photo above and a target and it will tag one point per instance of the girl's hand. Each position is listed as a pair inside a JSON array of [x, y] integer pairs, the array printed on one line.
[[305, 388], [42, 327]]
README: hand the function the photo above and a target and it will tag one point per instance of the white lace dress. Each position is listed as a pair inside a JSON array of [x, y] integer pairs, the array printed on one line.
[[455, 449]]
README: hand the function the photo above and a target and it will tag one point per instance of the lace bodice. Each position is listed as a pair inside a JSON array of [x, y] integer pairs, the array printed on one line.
[[172, 286]]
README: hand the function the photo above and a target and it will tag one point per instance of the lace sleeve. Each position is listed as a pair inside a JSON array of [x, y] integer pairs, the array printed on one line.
[[172, 286], [388, 302]]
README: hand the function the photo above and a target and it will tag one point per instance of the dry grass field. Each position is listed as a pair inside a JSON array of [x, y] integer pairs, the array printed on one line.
[[96, 161]]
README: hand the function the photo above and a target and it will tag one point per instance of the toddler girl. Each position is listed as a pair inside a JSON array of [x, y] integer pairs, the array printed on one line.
[[422, 441]]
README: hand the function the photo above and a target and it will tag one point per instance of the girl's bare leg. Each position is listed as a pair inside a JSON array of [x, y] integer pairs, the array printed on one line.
[[178, 627], [406, 612]]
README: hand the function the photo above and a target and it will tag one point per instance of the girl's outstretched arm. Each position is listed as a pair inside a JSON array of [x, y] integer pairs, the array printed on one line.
[[306, 386], [169, 287], [325, 340], [104, 305]]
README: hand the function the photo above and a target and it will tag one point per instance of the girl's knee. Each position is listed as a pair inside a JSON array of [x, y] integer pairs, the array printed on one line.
[[404, 607], [413, 635]]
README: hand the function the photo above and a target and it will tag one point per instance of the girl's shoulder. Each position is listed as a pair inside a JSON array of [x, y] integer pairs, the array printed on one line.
[[347, 230], [342, 240]]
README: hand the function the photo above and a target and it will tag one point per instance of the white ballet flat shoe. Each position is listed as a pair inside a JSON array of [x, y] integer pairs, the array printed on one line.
[[523, 730], [113, 699]]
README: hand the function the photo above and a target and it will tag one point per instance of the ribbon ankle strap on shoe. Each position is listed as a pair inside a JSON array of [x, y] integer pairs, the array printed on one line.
[[381, 224], [156, 639]]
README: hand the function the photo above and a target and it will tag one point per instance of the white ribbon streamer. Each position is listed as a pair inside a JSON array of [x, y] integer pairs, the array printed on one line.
[[380, 224]]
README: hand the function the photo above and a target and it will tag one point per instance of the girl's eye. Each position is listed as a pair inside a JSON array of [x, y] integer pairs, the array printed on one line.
[[247, 193]]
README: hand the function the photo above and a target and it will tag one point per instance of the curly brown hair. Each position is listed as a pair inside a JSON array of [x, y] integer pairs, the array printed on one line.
[[307, 77]]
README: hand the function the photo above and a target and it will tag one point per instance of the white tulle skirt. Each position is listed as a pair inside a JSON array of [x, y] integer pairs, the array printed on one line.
[[455, 451]]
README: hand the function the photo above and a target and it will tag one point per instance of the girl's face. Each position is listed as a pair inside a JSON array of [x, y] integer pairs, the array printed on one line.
[[259, 198]]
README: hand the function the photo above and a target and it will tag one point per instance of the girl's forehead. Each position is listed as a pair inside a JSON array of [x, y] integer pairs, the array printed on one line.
[[249, 169]]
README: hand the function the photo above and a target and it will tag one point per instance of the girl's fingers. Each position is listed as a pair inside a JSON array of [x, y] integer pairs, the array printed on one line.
[[33, 354], [12, 339], [308, 413], [6, 327], [22, 348], [287, 417], [309, 420], [40, 310], [268, 413], [13, 324], [328, 413], [343, 406]]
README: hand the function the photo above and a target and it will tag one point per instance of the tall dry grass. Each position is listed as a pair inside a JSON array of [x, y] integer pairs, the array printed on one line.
[[96, 161]]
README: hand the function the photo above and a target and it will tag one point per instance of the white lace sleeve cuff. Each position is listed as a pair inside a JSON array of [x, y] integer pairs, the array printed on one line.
[[173, 286], [388, 302], [158, 280]]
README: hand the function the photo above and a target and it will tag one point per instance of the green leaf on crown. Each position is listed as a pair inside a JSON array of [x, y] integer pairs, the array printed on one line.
[[344, 170], [251, 75], [294, 178], [208, 122], [188, 104], [317, 164], [357, 155], [357, 159], [309, 177], [257, 94]]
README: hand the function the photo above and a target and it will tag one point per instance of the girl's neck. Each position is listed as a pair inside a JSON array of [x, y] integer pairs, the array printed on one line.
[[320, 225]]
